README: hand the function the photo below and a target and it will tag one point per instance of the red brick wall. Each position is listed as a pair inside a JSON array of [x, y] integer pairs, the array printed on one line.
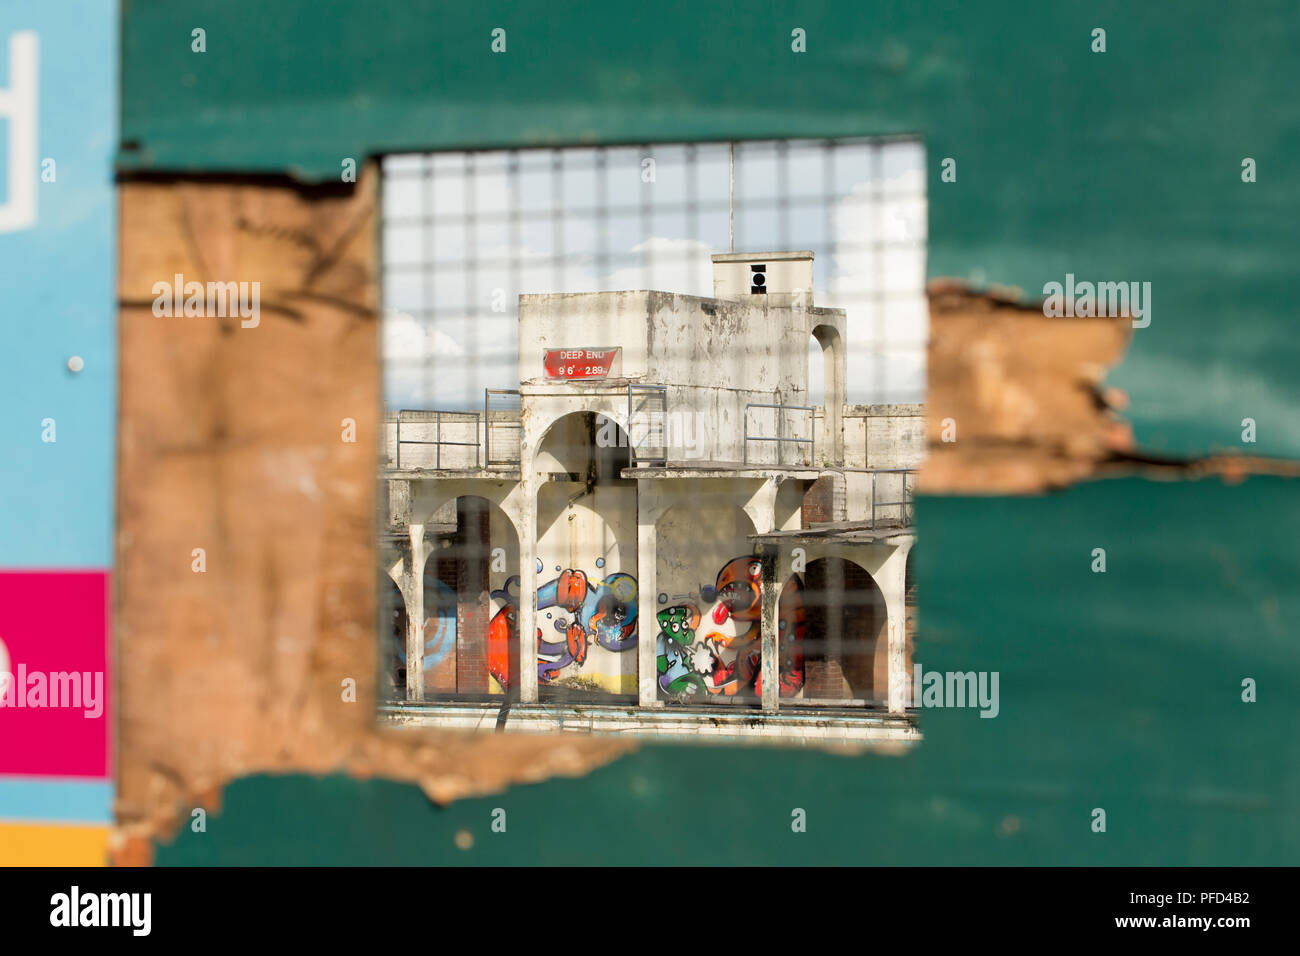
[[839, 594], [473, 605], [443, 676], [818, 501]]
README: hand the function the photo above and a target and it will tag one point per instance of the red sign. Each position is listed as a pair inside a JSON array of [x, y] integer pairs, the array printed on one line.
[[579, 363]]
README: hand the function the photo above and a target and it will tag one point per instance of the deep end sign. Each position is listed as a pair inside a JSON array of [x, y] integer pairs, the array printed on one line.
[[579, 363]]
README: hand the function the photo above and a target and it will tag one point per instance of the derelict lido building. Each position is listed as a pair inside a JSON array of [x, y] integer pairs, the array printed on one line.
[[658, 531]]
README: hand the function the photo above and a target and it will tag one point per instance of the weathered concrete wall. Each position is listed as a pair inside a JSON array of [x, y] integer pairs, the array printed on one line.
[[718, 355], [884, 436], [715, 357]]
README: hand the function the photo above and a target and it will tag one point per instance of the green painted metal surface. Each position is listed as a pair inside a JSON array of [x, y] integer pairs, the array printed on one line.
[[1119, 691], [1123, 165]]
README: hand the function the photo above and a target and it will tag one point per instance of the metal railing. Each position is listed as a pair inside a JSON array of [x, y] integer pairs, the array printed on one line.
[[781, 438], [644, 453], [436, 417], [517, 426], [903, 504]]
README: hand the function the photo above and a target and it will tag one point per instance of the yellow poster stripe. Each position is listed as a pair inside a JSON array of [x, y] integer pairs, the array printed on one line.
[[52, 844]]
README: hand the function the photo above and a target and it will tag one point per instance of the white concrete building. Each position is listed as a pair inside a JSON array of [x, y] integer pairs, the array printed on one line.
[[656, 520]]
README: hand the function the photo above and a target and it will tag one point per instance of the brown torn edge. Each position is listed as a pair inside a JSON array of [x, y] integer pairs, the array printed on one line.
[[1017, 404]]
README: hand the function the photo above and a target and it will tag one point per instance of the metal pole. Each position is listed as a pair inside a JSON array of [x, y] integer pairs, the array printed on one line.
[[437, 445], [487, 428], [873, 501], [780, 430], [746, 439], [399, 439], [731, 193]]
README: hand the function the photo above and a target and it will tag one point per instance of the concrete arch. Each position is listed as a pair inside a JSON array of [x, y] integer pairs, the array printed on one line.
[[472, 549], [574, 440], [579, 553], [429, 497], [831, 440], [543, 413], [846, 641], [885, 562]]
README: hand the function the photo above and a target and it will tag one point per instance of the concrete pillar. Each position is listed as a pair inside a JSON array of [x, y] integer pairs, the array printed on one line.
[[413, 594], [528, 593], [648, 510], [891, 579], [771, 597]]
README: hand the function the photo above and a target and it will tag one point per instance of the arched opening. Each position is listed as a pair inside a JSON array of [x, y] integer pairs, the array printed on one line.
[[587, 600], [816, 372], [845, 635], [584, 444], [470, 586], [826, 389], [708, 608]]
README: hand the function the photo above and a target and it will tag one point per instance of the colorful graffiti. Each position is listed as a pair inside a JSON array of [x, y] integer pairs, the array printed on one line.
[[603, 613], [503, 636], [729, 664]]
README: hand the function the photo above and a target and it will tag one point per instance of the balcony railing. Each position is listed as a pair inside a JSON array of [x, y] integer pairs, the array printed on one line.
[[436, 417], [647, 430], [781, 438], [503, 426], [904, 502]]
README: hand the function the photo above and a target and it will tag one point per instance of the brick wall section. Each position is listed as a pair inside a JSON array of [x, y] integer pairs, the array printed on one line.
[[442, 678], [840, 596], [819, 501], [473, 608]]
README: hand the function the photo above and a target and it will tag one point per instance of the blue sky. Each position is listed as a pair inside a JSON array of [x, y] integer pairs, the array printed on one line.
[[491, 228]]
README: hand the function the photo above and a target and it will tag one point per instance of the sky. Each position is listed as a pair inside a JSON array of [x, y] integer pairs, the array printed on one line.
[[465, 234]]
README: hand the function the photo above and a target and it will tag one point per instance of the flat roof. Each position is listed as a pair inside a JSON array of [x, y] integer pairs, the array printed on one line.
[[750, 256]]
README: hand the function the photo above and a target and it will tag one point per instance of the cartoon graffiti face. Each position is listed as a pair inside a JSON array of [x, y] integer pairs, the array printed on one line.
[[738, 586], [740, 593], [680, 622]]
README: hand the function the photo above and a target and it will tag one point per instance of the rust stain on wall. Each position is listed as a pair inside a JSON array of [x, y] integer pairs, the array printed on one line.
[[231, 441]]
